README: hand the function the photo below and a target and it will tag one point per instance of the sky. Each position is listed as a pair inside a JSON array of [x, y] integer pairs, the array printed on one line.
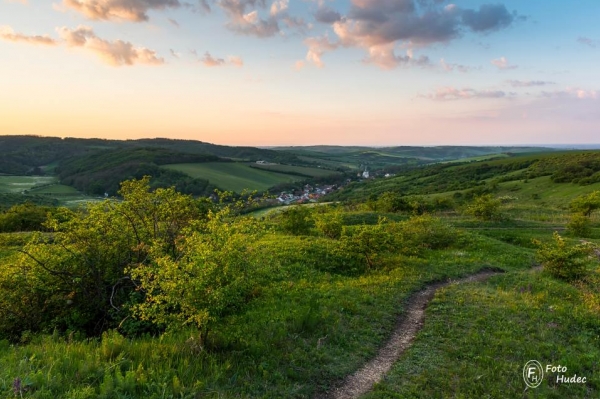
[[303, 72]]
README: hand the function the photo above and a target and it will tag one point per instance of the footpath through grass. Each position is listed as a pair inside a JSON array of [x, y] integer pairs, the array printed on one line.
[[478, 337]]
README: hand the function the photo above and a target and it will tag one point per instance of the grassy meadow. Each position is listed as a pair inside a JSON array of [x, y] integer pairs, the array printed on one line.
[[234, 176], [18, 184], [295, 170]]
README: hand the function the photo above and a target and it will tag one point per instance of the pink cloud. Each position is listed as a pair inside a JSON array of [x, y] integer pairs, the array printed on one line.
[[115, 53], [8, 34], [502, 63]]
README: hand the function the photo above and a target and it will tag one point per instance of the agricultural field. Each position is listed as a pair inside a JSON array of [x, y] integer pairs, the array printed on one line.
[[18, 184], [295, 170], [234, 176]]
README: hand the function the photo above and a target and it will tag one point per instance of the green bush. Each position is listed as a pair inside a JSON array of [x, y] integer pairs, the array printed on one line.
[[423, 232], [329, 222], [485, 207], [314, 252], [366, 243], [586, 204], [579, 225], [296, 220], [561, 260]]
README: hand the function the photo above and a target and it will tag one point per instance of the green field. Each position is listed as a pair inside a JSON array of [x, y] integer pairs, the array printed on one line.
[[234, 176], [55, 189], [295, 170], [18, 184]]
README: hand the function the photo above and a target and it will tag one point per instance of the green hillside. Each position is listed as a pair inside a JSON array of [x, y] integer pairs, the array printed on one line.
[[233, 176]]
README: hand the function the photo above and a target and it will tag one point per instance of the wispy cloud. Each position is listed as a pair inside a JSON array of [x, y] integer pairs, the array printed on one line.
[[449, 67], [452, 93], [7, 33], [528, 83], [130, 10], [573, 92], [588, 42], [115, 53], [210, 61], [503, 64], [385, 57], [173, 22]]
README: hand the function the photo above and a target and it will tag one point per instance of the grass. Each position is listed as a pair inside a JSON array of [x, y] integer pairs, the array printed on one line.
[[305, 329], [17, 184], [478, 337], [234, 176], [296, 170], [55, 189]]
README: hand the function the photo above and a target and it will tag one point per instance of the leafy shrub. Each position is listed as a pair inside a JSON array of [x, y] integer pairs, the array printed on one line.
[[296, 220], [367, 242], [315, 252], [75, 278], [561, 260], [422, 232], [212, 275], [579, 225], [485, 207], [329, 222], [586, 204]]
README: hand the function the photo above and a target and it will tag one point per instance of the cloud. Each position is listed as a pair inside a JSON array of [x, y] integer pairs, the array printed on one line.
[[115, 53], [317, 46], [448, 67], [210, 61], [173, 22], [502, 63], [236, 61], [8, 34], [573, 92], [371, 24], [327, 15], [18, 1], [278, 7], [587, 41], [385, 57], [452, 93], [528, 83], [489, 17], [130, 10], [245, 19], [174, 53]]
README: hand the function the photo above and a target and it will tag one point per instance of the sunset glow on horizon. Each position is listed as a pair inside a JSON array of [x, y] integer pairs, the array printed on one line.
[[280, 72]]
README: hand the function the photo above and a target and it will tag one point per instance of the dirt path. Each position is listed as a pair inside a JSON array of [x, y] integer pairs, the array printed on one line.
[[407, 327]]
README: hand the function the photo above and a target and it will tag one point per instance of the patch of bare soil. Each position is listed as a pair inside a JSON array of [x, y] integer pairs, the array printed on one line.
[[407, 327]]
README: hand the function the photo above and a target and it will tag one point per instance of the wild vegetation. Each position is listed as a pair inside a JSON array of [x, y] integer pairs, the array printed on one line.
[[160, 294]]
